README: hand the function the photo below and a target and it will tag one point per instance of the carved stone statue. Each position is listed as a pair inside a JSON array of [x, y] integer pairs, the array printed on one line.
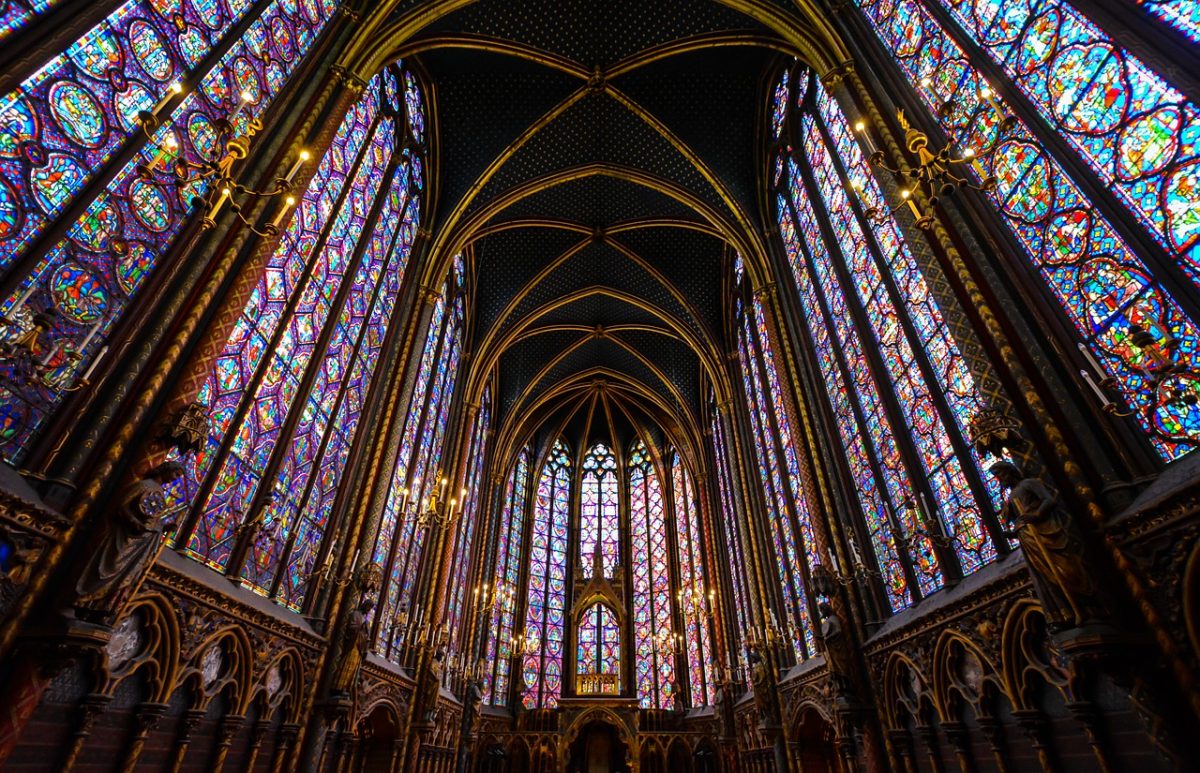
[[472, 705], [723, 710], [1053, 548], [127, 543], [834, 646], [356, 639], [766, 698], [432, 688]]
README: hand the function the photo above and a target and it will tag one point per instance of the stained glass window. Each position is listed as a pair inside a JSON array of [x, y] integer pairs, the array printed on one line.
[[599, 647], [16, 14], [472, 502], [599, 519], [695, 600], [64, 127], [507, 574], [287, 392], [888, 360], [653, 637], [767, 422], [417, 473], [546, 603], [1131, 130], [730, 523]]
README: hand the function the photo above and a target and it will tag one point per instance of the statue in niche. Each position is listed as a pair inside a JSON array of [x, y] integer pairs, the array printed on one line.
[[472, 705], [1053, 547], [432, 688], [766, 699], [835, 648], [127, 543], [356, 640]]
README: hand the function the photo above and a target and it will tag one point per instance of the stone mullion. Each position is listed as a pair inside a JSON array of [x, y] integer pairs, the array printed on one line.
[[736, 432], [295, 410], [788, 393], [826, 320], [377, 409], [524, 541], [481, 622], [918, 476], [785, 573], [363, 519], [928, 372], [427, 425], [58, 225], [1050, 438], [476, 574], [420, 341], [437, 572], [674, 576], [721, 607], [831, 472], [731, 586], [194, 375], [219, 318]]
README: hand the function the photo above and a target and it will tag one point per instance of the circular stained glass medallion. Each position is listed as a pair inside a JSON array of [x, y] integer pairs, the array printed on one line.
[[78, 294], [77, 113], [150, 51], [150, 205], [56, 181]]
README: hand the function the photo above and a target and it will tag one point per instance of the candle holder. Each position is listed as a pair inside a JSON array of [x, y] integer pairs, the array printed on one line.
[[934, 172], [1158, 363], [214, 172]]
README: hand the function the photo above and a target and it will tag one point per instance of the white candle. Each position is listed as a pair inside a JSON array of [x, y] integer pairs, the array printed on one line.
[[216, 208], [1104, 401], [172, 90], [832, 560], [300, 160], [288, 203], [96, 361], [1091, 359], [854, 551], [91, 334], [24, 297]]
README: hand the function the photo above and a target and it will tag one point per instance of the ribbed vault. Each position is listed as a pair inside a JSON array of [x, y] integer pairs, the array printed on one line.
[[599, 167]]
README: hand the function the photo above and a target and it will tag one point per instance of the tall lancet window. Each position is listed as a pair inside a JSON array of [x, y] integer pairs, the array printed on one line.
[[502, 631], [418, 476], [77, 249], [1098, 179], [471, 506], [893, 373], [654, 639], [287, 391], [695, 600], [776, 448], [730, 523], [599, 516], [546, 604]]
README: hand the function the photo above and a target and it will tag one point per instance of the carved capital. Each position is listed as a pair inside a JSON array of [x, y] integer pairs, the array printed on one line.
[[186, 429]]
